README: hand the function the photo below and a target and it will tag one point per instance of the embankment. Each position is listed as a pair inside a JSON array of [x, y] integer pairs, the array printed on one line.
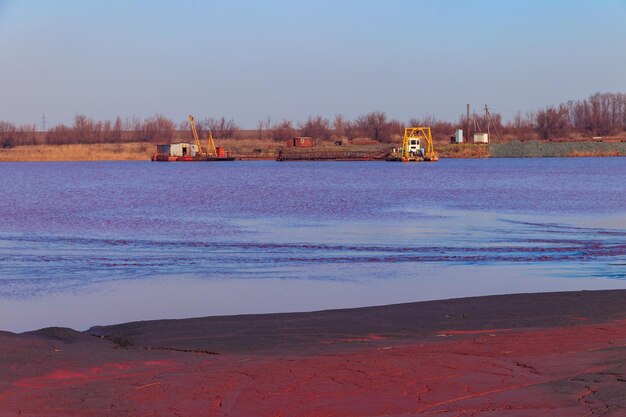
[[534, 149], [251, 149], [462, 150]]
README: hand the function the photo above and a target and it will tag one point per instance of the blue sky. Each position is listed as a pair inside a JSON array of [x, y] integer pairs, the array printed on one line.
[[290, 59]]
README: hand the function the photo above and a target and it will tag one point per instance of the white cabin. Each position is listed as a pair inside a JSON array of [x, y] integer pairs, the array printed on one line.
[[178, 149]]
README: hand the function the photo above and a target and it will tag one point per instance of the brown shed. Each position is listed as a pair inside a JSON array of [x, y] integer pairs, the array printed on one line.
[[301, 142]]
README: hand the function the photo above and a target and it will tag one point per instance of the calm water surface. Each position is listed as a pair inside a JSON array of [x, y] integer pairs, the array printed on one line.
[[102, 242]]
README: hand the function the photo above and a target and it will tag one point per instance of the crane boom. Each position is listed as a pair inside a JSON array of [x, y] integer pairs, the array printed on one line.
[[211, 145], [195, 135]]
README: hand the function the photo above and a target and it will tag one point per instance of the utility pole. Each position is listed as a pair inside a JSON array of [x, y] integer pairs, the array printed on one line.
[[43, 122], [490, 121], [468, 123], [488, 124]]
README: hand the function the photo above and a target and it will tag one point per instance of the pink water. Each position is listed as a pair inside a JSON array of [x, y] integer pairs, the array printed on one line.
[[163, 240]]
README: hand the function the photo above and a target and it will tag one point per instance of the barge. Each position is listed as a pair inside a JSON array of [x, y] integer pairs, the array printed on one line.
[[190, 152]]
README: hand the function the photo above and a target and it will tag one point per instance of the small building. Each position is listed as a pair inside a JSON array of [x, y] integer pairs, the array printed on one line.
[[458, 136], [301, 142], [178, 149], [481, 138]]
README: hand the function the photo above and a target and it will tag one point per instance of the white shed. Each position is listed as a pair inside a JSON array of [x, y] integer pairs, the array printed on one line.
[[178, 149], [481, 138]]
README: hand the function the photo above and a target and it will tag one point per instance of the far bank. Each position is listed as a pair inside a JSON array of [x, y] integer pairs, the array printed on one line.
[[268, 150]]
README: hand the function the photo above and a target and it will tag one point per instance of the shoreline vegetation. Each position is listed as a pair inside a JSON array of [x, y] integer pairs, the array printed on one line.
[[595, 126], [523, 354], [599, 118], [268, 150]]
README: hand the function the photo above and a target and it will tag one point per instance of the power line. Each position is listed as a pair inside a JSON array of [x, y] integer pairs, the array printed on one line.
[[490, 122]]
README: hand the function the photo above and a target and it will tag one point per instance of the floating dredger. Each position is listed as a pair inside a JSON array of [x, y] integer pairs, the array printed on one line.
[[413, 150]]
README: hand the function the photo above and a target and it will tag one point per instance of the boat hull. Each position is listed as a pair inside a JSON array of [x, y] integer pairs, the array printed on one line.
[[169, 158]]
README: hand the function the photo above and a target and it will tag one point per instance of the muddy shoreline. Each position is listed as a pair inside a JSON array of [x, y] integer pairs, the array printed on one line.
[[525, 354]]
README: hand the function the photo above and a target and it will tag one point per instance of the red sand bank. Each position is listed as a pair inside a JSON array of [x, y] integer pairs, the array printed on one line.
[[560, 354]]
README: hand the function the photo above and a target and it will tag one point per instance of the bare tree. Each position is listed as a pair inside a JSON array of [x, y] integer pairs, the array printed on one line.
[[8, 135], [59, 135], [374, 125], [82, 130], [283, 131], [264, 128], [521, 126], [158, 129], [106, 132], [316, 127], [27, 135], [339, 126], [268, 126], [259, 128], [221, 128], [552, 121], [116, 132]]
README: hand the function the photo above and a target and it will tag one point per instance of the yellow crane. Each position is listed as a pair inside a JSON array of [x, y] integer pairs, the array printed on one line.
[[413, 148], [195, 135], [211, 145], [211, 151]]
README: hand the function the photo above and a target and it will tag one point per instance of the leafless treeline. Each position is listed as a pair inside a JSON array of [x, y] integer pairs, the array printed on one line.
[[374, 125], [11, 135], [222, 127], [85, 130], [599, 115]]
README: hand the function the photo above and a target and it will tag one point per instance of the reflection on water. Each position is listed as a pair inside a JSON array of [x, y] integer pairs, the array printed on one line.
[[181, 296], [84, 244]]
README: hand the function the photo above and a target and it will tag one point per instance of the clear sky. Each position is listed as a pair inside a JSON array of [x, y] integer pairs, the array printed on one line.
[[290, 59]]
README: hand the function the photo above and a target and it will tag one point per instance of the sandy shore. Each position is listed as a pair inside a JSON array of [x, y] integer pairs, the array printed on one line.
[[557, 354]]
